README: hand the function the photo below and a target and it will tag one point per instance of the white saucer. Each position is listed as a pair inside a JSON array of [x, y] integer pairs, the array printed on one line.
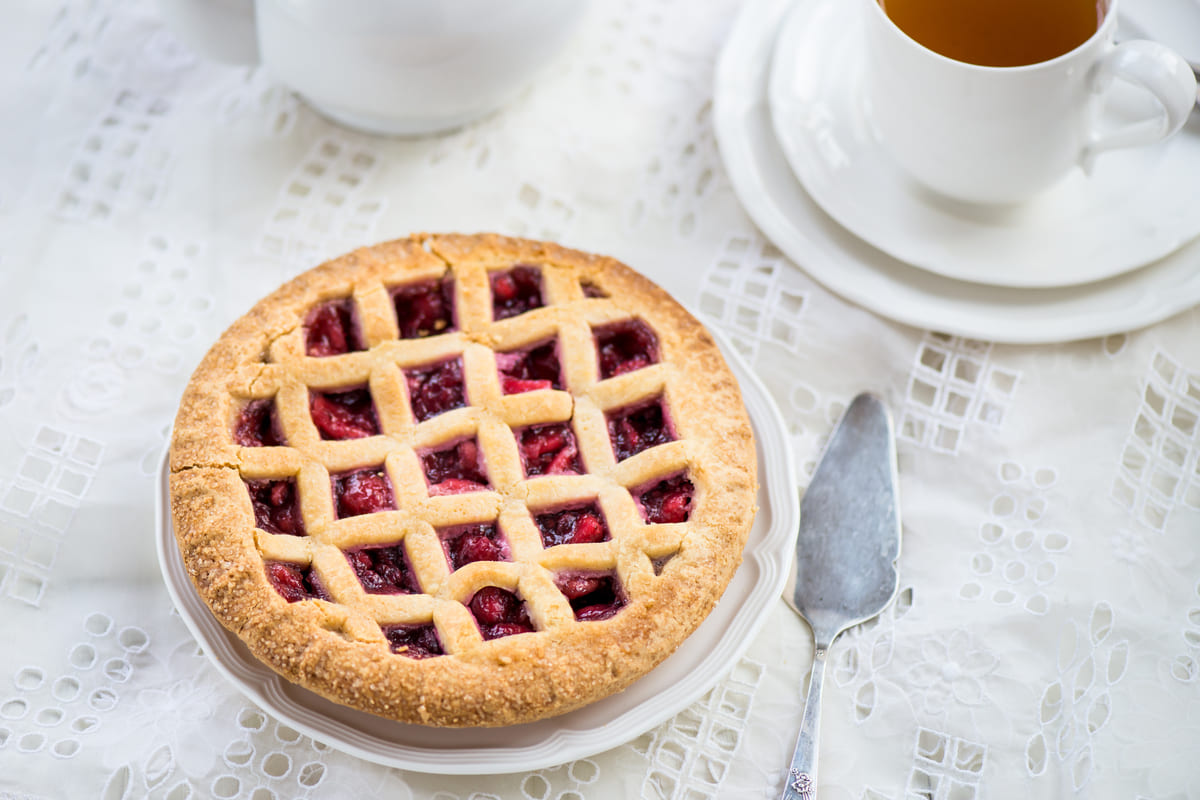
[[703, 659], [1136, 207], [847, 265]]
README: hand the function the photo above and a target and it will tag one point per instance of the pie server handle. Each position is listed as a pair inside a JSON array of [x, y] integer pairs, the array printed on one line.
[[801, 783]]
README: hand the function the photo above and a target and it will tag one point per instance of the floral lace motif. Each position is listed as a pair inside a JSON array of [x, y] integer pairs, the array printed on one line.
[[169, 727], [1075, 708], [1020, 556]]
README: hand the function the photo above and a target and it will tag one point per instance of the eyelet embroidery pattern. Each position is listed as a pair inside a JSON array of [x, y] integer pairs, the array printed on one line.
[[753, 295], [945, 767], [745, 294], [76, 33], [537, 214], [54, 713], [678, 193], [861, 663], [252, 95], [1020, 556], [121, 164], [1075, 708], [19, 359], [37, 506], [952, 672], [691, 755], [152, 329], [1160, 465], [322, 207], [953, 387], [262, 757], [1185, 668], [159, 317]]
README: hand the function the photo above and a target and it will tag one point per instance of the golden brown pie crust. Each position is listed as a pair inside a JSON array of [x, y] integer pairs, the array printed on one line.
[[338, 649]]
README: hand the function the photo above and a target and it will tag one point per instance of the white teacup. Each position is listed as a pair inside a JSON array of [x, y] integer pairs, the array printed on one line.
[[1000, 135], [386, 66]]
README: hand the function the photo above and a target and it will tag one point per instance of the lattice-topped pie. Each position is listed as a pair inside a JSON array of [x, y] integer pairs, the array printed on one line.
[[463, 480]]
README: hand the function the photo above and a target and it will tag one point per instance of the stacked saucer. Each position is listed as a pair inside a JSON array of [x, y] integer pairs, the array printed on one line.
[[1094, 255]]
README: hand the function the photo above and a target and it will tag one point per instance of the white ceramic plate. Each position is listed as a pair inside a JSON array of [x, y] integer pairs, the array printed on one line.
[[1136, 207], [675, 684], [865, 275]]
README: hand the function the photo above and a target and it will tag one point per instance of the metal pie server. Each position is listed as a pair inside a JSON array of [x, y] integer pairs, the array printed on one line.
[[844, 572]]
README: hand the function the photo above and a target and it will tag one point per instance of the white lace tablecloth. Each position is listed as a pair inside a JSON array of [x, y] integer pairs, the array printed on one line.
[[1046, 640]]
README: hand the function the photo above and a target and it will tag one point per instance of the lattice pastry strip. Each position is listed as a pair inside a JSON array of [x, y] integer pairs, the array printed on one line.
[[463, 480]]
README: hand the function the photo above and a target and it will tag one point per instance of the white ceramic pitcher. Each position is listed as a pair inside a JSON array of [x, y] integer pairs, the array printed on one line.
[[404, 67]]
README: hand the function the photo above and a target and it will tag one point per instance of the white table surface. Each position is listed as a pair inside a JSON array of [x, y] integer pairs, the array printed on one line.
[[1046, 642]]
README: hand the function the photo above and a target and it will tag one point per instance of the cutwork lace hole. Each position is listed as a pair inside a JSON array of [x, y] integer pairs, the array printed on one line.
[[83, 657], [238, 754], [311, 774], [276, 765], [29, 678], [226, 786], [65, 689], [98, 624], [49, 717], [535, 787], [102, 699], [66, 748], [14, 709], [133, 640]]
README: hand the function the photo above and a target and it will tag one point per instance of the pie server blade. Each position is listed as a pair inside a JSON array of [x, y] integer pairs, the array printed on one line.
[[844, 572]]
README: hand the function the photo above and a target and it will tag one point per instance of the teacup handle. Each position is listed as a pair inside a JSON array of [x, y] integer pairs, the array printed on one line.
[[1161, 72]]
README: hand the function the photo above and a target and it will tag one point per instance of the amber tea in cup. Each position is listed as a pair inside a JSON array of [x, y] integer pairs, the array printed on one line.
[[994, 101], [998, 33]]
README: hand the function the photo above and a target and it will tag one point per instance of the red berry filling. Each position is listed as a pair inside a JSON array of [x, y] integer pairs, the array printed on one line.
[[331, 330], [592, 290], [549, 450], [383, 570], [424, 309], [530, 370], [257, 426], [592, 597], [436, 388], [625, 347], [276, 506], [344, 415], [414, 641], [669, 500], [295, 583], [579, 525], [633, 430], [516, 291], [467, 544], [458, 468], [499, 613], [363, 491], [660, 563]]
